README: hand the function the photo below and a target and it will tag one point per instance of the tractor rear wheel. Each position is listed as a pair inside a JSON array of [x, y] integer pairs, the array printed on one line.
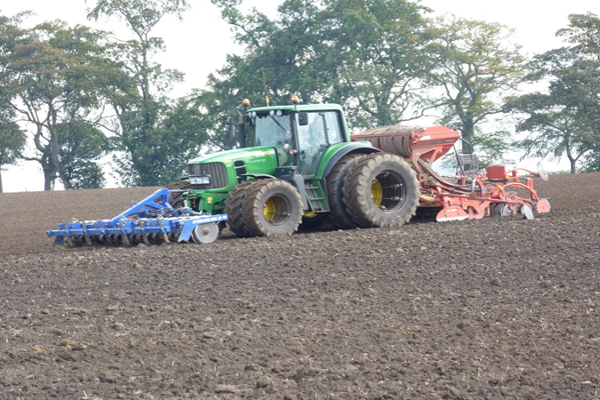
[[233, 207], [335, 184], [271, 207], [381, 190]]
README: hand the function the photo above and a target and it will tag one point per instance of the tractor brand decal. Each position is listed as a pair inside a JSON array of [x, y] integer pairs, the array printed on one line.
[[209, 200], [269, 152], [214, 218]]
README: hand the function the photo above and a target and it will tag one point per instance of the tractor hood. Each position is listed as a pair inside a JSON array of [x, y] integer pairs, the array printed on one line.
[[254, 155], [226, 168]]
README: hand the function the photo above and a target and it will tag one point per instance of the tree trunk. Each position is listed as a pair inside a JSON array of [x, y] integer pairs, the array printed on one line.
[[467, 132], [54, 160], [573, 166], [1, 187], [48, 176]]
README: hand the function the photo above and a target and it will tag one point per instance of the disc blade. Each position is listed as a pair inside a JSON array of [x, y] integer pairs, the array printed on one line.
[[527, 211], [205, 233]]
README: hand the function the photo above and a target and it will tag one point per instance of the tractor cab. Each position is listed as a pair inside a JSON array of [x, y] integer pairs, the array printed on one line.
[[300, 134]]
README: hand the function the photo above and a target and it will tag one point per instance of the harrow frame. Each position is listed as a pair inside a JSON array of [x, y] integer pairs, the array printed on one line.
[[153, 220]]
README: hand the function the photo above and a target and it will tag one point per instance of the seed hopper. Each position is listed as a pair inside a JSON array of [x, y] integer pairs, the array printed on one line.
[[471, 194], [151, 221]]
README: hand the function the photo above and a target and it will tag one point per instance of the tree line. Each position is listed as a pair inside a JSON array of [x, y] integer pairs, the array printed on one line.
[[78, 96]]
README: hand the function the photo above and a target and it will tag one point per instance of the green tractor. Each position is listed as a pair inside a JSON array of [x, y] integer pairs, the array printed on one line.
[[297, 164]]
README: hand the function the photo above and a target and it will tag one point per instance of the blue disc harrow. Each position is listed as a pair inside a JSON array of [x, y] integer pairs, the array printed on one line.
[[151, 221]]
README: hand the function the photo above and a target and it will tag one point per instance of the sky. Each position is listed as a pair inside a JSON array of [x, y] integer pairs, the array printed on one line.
[[199, 44]]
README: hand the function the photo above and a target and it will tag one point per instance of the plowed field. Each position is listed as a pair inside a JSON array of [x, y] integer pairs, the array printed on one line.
[[500, 308]]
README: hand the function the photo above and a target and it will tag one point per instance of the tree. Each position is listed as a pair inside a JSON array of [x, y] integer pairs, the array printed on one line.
[[81, 145], [366, 54], [282, 57], [555, 129], [12, 141], [54, 74], [155, 135], [565, 120], [380, 47], [12, 138], [474, 65], [162, 152]]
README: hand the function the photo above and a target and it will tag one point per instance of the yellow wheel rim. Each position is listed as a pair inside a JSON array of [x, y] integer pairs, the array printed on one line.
[[309, 214], [376, 192], [269, 210]]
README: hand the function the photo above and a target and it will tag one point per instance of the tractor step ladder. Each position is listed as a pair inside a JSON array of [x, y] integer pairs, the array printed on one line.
[[316, 197]]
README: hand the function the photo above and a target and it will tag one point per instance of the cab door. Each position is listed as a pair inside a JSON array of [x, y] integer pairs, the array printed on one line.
[[316, 131]]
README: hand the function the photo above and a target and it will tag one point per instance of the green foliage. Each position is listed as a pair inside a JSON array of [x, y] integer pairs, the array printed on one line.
[[140, 15], [81, 145], [380, 59], [154, 135], [159, 142], [591, 161], [566, 119], [12, 139], [367, 55], [281, 56], [492, 147], [475, 64], [53, 75]]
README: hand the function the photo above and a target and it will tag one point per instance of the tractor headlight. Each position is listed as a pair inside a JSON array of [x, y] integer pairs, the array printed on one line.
[[200, 180]]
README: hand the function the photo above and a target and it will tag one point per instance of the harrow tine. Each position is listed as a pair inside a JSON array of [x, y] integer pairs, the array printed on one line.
[[125, 239], [165, 237], [113, 239], [101, 239]]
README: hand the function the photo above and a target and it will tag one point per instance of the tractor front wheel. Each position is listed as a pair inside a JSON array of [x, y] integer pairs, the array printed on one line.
[[178, 188], [233, 208], [381, 190], [271, 207]]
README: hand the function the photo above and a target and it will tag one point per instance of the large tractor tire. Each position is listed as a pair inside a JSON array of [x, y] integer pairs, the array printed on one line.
[[381, 190], [176, 199], [271, 207], [335, 184], [233, 207]]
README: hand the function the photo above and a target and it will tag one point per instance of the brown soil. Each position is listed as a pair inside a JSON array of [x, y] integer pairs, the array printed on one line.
[[489, 309]]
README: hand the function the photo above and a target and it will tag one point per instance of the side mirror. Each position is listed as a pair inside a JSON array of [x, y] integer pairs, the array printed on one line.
[[303, 118]]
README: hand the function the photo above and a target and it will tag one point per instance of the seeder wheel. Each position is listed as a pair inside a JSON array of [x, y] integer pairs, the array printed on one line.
[[543, 206]]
